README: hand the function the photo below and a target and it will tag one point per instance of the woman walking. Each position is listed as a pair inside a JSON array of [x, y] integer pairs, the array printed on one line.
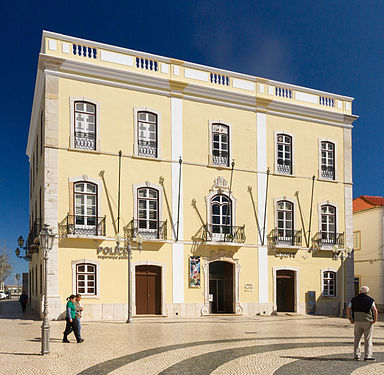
[[70, 314]]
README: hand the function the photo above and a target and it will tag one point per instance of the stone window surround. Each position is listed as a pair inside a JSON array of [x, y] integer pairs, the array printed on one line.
[[84, 178], [150, 185], [296, 286], [328, 203], [72, 101], [163, 283], [208, 203], [136, 110], [276, 133], [210, 145], [94, 263], [334, 155], [322, 270]]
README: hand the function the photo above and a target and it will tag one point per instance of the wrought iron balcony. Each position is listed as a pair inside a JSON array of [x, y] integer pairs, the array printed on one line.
[[85, 141], [285, 238], [326, 239], [82, 226], [148, 149], [152, 230], [284, 167], [328, 172], [220, 158], [32, 236], [221, 233]]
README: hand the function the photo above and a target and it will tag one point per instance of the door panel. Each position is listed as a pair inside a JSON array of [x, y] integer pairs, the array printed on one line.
[[148, 289], [285, 292]]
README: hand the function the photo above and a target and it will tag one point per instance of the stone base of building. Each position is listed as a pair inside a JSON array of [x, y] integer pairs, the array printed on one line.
[[328, 308]]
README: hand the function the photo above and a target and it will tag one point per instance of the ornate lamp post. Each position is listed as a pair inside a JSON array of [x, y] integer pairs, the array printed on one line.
[[139, 241], [342, 254], [46, 238]]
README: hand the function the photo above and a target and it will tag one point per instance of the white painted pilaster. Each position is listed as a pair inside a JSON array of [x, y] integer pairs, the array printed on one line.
[[177, 248], [261, 123]]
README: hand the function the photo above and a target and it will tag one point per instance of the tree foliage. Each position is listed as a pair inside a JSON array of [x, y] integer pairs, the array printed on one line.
[[5, 267]]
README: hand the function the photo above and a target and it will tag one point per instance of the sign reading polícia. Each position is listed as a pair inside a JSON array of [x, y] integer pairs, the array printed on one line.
[[111, 252]]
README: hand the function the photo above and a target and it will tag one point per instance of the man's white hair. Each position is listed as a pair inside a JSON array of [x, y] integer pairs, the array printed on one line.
[[364, 289]]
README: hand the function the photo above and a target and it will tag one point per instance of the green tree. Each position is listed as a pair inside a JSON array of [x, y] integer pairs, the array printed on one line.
[[5, 267]]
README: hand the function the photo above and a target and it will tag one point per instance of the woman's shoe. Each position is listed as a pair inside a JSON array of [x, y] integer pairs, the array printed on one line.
[[81, 340], [66, 340]]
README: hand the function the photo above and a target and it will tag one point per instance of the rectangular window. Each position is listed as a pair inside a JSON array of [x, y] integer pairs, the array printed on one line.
[[329, 284], [86, 279], [284, 154], [357, 240], [85, 126], [147, 134], [327, 160], [220, 145]]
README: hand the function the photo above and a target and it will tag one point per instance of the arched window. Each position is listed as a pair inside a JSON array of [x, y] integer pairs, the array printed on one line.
[[284, 154], [85, 125], [327, 160], [221, 219], [328, 224], [147, 134], [148, 212], [285, 222], [86, 279], [85, 205], [329, 284], [220, 144]]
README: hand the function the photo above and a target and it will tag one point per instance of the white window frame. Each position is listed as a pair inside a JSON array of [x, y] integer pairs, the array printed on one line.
[[72, 101], [210, 137], [95, 263], [322, 281], [150, 185], [285, 198], [136, 111], [335, 158], [276, 133], [329, 203]]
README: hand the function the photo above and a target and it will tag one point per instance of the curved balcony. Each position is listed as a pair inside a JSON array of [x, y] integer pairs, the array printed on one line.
[[278, 237], [150, 230], [327, 240], [82, 226], [221, 233]]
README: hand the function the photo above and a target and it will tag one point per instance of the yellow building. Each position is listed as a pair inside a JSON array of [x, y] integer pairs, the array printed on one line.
[[368, 230], [240, 186]]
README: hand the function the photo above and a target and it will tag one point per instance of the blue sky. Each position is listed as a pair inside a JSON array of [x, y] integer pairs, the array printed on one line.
[[332, 46]]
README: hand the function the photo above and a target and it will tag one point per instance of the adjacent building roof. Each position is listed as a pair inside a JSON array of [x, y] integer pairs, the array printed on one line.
[[365, 202]]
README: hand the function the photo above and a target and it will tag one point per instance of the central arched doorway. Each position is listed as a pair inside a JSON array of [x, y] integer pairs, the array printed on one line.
[[148, 290], [221, 287]]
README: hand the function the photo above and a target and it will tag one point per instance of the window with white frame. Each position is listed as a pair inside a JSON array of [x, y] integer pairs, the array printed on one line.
[[147, 134], [85, 204], [85, 125], [327, 165], [86, 279], [148, 212], [220, 145], [329, 284], [221, 215], [328, 225], [285, 222], [284, 154]]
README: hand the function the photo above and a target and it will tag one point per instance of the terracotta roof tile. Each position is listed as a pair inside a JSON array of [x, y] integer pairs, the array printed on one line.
[[365, 202]]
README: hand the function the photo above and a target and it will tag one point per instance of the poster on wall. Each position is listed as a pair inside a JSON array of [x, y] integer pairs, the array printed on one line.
[[194, 272]]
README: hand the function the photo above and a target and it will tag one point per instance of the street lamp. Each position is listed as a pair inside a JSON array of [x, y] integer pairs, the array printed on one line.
[[342, 254], [46, 238], [139, 241]]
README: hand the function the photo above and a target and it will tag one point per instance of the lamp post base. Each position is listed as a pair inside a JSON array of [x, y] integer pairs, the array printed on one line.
[[45, 336]]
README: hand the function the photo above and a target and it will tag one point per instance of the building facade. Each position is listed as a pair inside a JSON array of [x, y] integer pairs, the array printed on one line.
[[240, 186], [368, 237]]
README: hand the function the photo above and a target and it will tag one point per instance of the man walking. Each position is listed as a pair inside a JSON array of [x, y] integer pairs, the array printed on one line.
[[363, 313]]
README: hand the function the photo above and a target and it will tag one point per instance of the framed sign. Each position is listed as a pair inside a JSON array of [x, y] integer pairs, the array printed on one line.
[[194, 272]]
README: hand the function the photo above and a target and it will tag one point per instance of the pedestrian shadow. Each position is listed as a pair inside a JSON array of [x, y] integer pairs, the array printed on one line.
[[12, 310], [38, 339], [8, 353]]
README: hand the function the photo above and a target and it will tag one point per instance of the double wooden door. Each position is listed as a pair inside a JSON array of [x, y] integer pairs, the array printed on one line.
[[285, 283], [148, 289]]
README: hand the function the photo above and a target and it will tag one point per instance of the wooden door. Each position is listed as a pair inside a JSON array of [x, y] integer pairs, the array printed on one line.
[[148, 289], [285, 282]]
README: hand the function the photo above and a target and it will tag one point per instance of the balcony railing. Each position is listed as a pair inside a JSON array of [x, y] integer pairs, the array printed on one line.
[[82, 226], [221, 233], [147, 148], [85, 141], [221, 159], [153, 230], [328, 172], [285, 238], [326, 239], [285, 167]]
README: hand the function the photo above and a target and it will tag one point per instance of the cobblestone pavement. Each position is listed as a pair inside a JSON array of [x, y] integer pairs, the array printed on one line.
[[220, 345]]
